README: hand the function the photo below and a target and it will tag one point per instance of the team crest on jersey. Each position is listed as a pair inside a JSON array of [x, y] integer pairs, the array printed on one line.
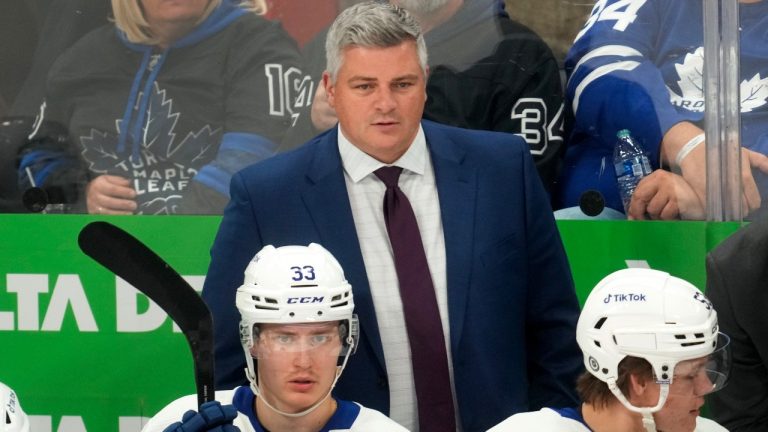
[[754, 91], [165, 163]]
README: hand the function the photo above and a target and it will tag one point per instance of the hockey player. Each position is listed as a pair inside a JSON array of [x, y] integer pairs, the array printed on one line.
[[298, 331], [12, 417], [652, 350]]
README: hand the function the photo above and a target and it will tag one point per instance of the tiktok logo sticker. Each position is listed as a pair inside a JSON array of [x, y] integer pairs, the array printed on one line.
[[621, 298]]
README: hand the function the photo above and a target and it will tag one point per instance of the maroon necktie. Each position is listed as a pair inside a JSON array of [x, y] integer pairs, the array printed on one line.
[[422, 318]]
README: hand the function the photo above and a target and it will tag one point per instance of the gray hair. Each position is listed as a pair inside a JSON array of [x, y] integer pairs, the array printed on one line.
[[372, 24]]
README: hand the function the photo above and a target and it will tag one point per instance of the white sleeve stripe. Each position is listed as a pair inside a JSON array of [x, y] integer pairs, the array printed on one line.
[[599, 73], [608, 50]]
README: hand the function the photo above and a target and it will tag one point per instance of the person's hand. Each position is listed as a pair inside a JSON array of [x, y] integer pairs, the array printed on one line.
[[322, 115], [665, 196], [693, 169], [751, 160], [213, 417], [108, 194]]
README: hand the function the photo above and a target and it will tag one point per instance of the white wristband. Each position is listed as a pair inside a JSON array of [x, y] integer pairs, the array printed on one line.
[[688, 147]]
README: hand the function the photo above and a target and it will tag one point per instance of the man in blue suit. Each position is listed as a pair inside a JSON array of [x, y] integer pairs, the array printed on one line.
[[501, 278]]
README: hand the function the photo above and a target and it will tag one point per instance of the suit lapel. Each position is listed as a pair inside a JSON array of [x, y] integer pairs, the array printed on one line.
[[326, 200], [456, 189]]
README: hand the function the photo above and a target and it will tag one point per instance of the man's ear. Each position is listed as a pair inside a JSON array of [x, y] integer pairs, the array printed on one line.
[[643, 390], [637, 383], [330, 89]]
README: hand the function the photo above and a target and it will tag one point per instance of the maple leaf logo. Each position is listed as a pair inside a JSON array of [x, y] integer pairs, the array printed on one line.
[[691, 82], [161, 205], [99, 151], [165, 164], [754, 91]]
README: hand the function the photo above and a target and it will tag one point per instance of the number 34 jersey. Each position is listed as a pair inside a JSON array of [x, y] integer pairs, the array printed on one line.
[[638, 65]]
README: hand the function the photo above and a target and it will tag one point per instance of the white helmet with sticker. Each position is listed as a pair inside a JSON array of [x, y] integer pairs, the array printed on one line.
[[12, 417], [651, 315]]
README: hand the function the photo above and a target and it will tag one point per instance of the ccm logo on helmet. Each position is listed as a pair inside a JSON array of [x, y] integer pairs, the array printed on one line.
[[294, 300]]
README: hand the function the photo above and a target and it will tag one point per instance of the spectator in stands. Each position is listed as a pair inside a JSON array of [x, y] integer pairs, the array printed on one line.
[[298, 331], [486, 72], [652, 351], [163, 109], [638, 66]]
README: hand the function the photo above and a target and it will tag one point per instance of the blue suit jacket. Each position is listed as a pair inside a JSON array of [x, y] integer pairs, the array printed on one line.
[[511, 300]]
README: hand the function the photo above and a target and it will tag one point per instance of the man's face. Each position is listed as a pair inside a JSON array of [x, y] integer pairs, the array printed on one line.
[[686, 396], [379, 97], [296, 363]]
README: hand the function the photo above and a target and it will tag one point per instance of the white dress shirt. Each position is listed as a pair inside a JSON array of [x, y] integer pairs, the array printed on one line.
[[366, 196]]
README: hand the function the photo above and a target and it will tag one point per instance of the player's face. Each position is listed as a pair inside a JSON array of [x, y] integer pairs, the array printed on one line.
[[379, 97], [173, 12], [686, 396], [297, 363]]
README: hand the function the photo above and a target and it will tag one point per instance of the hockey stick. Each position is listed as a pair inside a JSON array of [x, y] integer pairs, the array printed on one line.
[[138, 265]]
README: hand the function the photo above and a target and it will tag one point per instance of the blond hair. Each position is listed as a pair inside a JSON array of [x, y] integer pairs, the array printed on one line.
[[129, 18]]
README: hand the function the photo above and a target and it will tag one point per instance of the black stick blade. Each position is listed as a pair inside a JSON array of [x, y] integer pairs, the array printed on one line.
[[134, 262]]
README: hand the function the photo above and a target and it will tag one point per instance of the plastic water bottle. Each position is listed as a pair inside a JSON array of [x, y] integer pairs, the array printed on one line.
[[631, 164]]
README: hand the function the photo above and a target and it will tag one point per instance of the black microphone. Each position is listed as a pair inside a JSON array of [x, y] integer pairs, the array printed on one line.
[[35, 199], [591, 202]]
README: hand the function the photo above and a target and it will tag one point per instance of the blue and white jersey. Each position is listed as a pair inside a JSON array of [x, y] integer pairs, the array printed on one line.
[[570, 420], [638, 65], [547, 419], [349, 416]]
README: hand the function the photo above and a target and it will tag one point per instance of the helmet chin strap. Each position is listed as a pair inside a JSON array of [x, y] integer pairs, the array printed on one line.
[[646, 412], [339, 370]]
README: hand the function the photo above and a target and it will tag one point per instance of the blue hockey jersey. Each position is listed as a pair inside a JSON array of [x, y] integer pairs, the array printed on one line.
[[638, 65]]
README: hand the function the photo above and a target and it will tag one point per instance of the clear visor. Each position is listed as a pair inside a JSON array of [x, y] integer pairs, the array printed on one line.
[[703, 375], [323, 340]]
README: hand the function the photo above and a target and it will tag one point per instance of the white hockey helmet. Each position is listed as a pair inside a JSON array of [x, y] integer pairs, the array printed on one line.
[[12, 417], [295, 285], [655, 316]]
